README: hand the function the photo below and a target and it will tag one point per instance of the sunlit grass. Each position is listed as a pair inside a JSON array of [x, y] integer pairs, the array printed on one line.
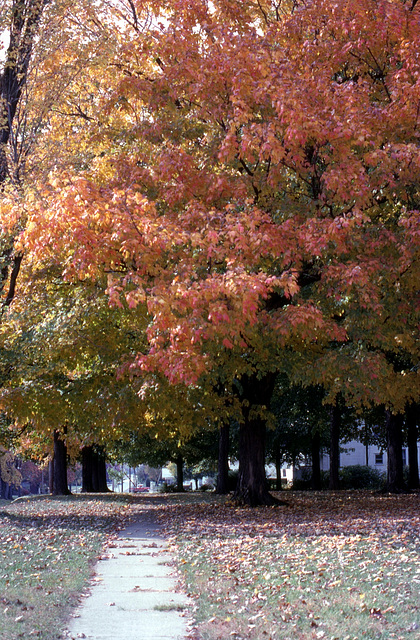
[[334, 566]]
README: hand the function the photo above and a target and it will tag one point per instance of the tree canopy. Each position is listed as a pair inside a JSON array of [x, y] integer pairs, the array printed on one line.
[[248, 172]]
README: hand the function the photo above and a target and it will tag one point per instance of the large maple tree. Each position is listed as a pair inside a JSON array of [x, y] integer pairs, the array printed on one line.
[[257, 189]]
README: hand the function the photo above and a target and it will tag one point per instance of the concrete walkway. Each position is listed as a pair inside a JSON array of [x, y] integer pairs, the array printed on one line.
[[133, 596]]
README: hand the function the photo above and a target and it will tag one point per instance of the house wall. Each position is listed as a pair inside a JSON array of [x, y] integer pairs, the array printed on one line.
[[355, 453]]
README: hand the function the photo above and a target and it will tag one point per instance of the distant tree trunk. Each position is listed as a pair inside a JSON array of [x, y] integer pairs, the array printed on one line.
[[222, 485], [180, 472], [60, 487], [335, 425], [94, 470], [412, 419], [316, 461], [395, 478], [100, 483], [278, 462], [252, 488]]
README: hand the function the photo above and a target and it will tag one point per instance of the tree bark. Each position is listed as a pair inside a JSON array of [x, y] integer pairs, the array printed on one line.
[[24, 22], [395, 478], [251, 489], [316, 462], [412, 420], [335, 425], [100, 484], [94, 470], [222, 485], [60, 466], [25, 18]]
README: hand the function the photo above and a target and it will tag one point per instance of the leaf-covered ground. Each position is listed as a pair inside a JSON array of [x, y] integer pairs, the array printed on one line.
[[341, 566], [47, 546]]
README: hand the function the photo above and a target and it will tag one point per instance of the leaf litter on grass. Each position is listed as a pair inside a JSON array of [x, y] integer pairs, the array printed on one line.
[[47, 546], [339, 566]]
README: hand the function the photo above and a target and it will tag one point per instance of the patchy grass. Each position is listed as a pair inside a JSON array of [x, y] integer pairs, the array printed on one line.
[[47, 546], [339, 566], [333, 566], [168, 607]]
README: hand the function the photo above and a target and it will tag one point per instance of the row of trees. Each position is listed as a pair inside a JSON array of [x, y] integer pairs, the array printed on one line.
[[240, 182]]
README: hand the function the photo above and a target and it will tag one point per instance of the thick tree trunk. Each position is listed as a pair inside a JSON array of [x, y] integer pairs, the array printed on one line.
[[252, 488], [222, 485], [100, 484], [412, 423], [316, 460], [94, 470], [335, 425], [179, 472], [395, 478], [60, 466]]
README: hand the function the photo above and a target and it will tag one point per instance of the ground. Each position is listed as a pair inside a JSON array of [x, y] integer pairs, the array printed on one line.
[[341, 566]]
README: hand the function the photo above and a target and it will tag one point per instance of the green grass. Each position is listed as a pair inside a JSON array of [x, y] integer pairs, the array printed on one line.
[[335, 566], [47, 547], [168, 607]]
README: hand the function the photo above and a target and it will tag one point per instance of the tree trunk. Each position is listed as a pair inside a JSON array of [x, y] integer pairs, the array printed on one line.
[[25, 18], [94, 470], [395, 478], [180, 472], [412, 423], [222, 485], [278, 463], [252, 488], [60, 466], [24, 21], [335, 424], [100, 483], [316, 461]]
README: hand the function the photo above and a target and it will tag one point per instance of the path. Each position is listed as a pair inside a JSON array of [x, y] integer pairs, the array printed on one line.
[[133, 596]]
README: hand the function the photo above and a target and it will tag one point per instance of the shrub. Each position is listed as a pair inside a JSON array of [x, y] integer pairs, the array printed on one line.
[[361, 477], [353, 477], [206, 487]]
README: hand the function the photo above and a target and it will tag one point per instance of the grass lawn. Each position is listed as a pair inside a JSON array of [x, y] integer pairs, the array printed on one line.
[[339, 566], [333, 566], [47, 546]]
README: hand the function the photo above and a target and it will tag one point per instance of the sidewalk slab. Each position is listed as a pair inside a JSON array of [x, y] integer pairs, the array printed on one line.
[[134, 594]]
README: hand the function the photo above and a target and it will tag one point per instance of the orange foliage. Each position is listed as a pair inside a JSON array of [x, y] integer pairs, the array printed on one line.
[[259, 191]]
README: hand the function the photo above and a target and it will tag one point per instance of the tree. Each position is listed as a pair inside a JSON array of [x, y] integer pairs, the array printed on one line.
[[22, 19], [251, 228], [94, 469]]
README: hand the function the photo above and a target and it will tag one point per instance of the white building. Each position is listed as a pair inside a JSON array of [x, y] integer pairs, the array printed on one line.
[[354, 452]]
